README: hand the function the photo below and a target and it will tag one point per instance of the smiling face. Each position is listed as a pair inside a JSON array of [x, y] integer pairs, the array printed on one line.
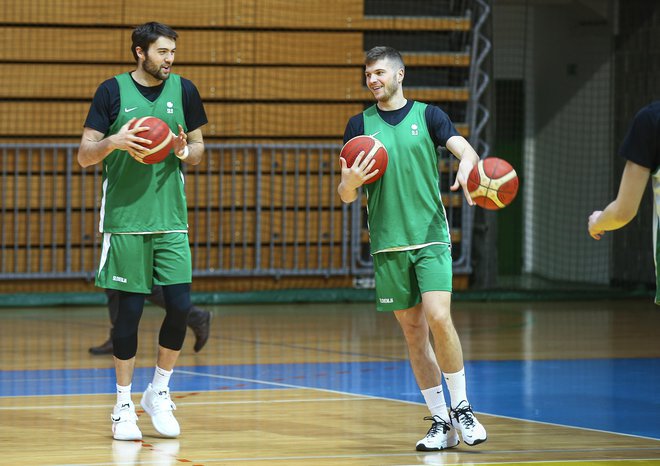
[[384, 78], [158, 59]]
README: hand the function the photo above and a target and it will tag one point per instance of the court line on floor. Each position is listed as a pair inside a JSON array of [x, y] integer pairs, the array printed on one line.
[[337, 392], [450, 451], [361, 396], [186, 403], [417, 455]]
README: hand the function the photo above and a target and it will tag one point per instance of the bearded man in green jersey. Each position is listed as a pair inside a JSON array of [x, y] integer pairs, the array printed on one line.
[[410, 241], [143, 215]]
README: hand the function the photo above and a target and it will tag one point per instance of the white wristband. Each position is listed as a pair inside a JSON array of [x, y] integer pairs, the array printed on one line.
[[186, 153]]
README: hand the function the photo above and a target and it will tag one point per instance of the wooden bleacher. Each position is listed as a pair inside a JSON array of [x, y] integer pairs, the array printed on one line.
[[275, 71]]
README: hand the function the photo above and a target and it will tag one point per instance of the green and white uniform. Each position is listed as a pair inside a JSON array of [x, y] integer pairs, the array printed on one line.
[[139, 200], [408, 226], [405, 207]]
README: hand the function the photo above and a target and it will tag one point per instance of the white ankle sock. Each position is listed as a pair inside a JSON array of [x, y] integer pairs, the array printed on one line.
[[161, 378], [456, 386], [435, 401], [123, 394]]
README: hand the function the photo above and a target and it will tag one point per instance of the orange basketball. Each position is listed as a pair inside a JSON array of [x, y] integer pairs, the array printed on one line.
[[493, 183], [160, 135], [369, 145]]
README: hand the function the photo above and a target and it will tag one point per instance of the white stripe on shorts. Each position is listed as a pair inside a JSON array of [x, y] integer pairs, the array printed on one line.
[[104, 250]]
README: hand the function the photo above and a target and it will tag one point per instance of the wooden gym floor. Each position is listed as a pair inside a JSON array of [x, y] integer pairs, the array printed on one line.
[[329, 384]]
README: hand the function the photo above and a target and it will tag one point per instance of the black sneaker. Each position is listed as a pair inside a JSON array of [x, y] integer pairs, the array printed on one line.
[[103, 348], [200, 323]]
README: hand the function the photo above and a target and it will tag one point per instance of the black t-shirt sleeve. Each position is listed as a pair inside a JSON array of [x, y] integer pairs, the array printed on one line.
[[193, 107], [640, 144], [440, 126], [354, 127], [106, 102], [105, 106]]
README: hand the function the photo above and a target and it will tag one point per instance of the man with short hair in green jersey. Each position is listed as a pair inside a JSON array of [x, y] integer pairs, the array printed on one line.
[[144, 215], [410, 241]]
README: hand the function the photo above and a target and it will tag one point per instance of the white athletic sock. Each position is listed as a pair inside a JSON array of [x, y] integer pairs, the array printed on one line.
[[123, 394], [161, 378], [456, 386], [435, 401]]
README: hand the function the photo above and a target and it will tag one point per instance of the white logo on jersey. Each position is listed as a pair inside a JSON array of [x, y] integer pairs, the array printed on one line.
[[115, 278], [170, 107], [414, 129], [129, 109], [386, 300]]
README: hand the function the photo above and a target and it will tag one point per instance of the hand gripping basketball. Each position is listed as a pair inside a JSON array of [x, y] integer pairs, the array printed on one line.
[[368, 145], [160, 135]]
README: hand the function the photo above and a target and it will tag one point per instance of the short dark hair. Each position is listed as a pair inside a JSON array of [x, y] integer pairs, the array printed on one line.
[[383, 52], [148, 33]]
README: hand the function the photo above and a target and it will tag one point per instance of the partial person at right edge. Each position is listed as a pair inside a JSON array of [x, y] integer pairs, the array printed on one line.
[[641, 149]]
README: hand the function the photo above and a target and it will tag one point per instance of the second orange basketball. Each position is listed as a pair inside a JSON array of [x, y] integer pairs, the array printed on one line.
[[493, 183]]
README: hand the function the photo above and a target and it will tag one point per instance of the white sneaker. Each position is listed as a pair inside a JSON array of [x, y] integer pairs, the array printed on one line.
[[159, 406], [463, 419], [440, 436], [124, 422]]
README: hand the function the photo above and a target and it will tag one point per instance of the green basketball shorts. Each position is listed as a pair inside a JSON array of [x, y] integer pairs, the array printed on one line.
[[402, 276], [134, 263]]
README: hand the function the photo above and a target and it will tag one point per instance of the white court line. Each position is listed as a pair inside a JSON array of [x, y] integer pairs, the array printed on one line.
[[543, 461], [185, 403], [297, 387], [417, 455], [240, 379], [363, 397]]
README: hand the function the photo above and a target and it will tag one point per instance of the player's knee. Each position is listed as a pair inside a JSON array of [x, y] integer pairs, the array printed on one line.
[[173, 330], [177, 303], [125, 328], [124, 347], [172, 337], [177, 307]]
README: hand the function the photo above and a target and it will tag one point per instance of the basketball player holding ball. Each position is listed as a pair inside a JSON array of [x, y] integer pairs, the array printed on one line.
[[410, 240], [144, 214]]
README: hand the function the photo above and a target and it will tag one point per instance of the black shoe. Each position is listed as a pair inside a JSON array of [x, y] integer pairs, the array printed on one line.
[[201, 329], [105, 348]]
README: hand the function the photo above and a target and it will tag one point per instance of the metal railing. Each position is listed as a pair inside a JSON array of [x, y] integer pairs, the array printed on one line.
[[478, 116], [254, 210]]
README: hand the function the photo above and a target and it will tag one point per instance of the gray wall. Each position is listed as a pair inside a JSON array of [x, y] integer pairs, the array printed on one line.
[[563, 51]]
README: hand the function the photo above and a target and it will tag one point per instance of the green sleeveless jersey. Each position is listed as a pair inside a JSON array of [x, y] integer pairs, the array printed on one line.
[[139, 198], [405, 209]]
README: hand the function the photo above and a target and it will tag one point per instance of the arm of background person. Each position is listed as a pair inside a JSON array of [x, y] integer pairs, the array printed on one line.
[[624, 208]]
